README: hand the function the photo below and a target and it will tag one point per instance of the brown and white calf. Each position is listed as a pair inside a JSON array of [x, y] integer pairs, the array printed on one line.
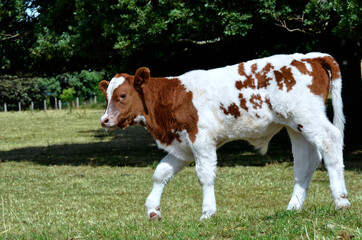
[[192, 115]]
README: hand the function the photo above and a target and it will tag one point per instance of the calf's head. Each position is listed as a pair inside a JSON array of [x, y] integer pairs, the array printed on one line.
[[125, 99]]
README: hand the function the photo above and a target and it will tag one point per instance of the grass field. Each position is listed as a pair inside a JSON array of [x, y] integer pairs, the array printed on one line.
[[63, 177]]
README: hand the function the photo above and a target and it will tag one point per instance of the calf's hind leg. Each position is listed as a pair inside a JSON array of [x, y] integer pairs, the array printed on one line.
[[306, 160], [164, 172], [329, 142]]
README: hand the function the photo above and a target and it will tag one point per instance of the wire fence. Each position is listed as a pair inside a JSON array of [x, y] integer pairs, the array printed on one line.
[[57, 105]]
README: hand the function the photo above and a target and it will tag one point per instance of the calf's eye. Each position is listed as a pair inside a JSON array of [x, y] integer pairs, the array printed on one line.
[[123, 95]]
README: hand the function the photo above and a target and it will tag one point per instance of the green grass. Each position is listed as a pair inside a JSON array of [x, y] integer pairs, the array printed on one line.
[[63, 177]]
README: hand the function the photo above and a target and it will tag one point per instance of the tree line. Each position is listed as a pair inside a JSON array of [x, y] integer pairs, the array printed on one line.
[[53, 37], [48, 40], [18, 91]]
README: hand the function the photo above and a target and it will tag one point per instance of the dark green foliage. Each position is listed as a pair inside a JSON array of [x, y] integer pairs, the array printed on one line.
[[61, 38], [90, 82], [16, 89], [50, 86], [85, 83], [26, 89], [16, 36], [70, 35]]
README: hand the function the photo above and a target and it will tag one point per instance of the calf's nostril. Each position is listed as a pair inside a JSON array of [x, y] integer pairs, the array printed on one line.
[[104, 121]]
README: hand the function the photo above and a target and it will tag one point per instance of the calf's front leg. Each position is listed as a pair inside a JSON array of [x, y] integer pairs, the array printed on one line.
[[205, 165], [164, 172]]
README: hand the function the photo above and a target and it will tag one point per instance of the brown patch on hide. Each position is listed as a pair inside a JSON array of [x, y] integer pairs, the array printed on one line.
[[241, 69], [171, 110], [243, 102], [331, 63], [232, 110], [323, 70], [321, 81], [248, 83], [300, 66], [257, 115], [285, 77], [299, 127], [255, 80], [261, 76], [267, 101], [256, 101], [254, 67], [239, 85]]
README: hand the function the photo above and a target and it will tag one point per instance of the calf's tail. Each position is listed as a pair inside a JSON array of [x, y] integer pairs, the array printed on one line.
[[337, 103], [336, 92]]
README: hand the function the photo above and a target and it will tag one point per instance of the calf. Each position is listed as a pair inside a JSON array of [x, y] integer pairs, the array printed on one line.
[[192, 115]]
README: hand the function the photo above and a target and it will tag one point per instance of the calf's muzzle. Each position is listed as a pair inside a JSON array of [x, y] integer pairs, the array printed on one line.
[[104, 122]]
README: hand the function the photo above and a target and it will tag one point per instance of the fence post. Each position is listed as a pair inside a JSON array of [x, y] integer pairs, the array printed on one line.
[[95, 99], [32, 106], [60, 105], [19, 104], [77, 102], [45, 105], [5, 107], [56, 104]]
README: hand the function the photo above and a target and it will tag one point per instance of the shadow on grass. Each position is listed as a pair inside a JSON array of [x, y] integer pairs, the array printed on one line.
[[135, 147]]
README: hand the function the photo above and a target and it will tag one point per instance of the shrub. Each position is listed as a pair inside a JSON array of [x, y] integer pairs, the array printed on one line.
[[15, 89], [66, 86]]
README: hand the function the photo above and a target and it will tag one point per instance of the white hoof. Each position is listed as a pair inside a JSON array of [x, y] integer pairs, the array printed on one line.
[[207, 216], [342, 202], [294, 205]]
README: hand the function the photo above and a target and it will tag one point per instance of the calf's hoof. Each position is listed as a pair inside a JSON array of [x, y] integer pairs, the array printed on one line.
[[343, 203], [207, 216], [154, 214], [294, 206]]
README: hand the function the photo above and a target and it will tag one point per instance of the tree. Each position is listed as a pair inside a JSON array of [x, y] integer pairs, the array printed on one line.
[[16, 35], [50, 87], [16, 89], [67, 95], [69, 35], [172, 37], [90, 80]]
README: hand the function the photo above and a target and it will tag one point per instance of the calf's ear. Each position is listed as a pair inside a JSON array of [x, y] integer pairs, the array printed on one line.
[[103, 85], [141, 78]]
